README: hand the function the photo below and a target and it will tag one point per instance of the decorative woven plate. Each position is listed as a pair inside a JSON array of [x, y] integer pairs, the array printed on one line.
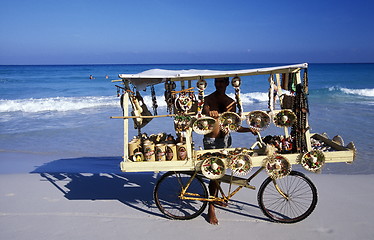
[[213, 168], [284, 118], [184, 101], [258, 120], [229, 122], [277, 166], [182, 122], [313, 161], [203, 125], [241, 164]]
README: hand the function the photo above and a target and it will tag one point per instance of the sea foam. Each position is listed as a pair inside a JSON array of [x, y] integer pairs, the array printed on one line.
[[366, 92], [63, 104], [60, 104]]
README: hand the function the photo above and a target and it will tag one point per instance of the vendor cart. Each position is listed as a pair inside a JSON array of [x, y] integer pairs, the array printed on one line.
[[181, 193]]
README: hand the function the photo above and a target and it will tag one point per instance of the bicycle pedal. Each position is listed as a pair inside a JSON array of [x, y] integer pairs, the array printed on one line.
[[247, 185]]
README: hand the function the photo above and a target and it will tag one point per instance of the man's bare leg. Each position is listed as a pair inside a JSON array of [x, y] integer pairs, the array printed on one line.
[[213, 191]]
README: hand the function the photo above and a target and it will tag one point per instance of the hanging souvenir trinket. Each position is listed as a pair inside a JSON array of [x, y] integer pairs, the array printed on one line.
[[204, 125], [277, 166], [169, 97], [213, 168], [229, 122], [184, 101], [271, 93], [154, 100], [236, 82], [313, 161], [182, 122], [181, 151], [258, 120], [240, 164], [284, 118], [201, 86]]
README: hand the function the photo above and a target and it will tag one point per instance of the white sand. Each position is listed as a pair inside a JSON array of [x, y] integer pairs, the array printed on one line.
[[120, 206]]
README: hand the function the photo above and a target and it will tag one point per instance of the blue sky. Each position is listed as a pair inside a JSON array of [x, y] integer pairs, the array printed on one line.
[[191, 31]]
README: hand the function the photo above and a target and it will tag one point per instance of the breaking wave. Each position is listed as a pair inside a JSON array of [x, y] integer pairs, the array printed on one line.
[[366, 92], [59, 104], [63, 104]]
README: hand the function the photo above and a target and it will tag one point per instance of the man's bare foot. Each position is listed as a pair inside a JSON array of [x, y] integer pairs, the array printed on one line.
[[220, 203], [212, 219]]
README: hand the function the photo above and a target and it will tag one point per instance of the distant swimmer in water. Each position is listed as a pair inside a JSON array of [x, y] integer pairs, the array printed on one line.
[[91, 77]]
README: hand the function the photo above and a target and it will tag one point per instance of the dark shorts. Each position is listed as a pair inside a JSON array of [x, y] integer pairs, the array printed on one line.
[[214, 143]]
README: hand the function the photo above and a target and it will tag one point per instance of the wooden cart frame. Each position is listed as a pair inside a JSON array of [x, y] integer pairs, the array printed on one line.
[[341, 153]]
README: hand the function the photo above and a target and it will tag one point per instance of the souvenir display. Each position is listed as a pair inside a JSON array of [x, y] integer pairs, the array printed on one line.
[[305, 82], [182, 123], [138, 157], [320, 145], [229, 122], [188, 167], [201, 86], [236, 82], [240, 164], [171, 152], [149, 152], [184, 101], [181, 151], [139, 108], [313, 161], [271, 94], [169, 97], [300, 127], [156, 147], [154, 100], [282, 144], [160, 152], [284, 118], [158, 138], [134, 146], [277, 166], [213, 168], [203, 125], [258, 120]]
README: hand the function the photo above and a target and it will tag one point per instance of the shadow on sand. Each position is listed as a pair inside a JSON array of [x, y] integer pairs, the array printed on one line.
[[100, 178]]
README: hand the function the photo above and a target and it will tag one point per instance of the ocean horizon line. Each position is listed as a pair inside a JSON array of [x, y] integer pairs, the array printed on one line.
[[131, 64]]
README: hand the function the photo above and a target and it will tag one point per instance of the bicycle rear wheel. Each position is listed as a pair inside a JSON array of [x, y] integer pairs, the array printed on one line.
[[167, 195], [299, 204]]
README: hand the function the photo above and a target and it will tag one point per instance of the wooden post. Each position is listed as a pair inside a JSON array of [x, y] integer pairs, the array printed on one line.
[[189, 143], [125, 104]]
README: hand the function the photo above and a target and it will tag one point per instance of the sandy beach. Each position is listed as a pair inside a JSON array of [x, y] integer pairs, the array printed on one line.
[[64, 66], [72, 198]]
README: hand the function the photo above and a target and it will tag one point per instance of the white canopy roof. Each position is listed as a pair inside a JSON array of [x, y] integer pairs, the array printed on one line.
[[155, 76]]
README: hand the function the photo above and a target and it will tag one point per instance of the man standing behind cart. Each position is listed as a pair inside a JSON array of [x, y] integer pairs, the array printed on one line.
[[215, 104]]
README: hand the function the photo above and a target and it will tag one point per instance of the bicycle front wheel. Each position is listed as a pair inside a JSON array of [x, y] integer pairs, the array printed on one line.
[[168, 200], [298, 202]]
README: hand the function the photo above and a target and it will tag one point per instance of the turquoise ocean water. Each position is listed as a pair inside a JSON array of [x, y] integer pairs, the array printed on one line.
[[58, 110]]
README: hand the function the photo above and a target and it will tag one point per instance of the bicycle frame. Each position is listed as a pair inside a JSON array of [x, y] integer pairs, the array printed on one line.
[[242, 182]]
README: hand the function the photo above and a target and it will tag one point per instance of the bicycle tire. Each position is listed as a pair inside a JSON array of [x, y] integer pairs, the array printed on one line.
[[166, 195], [302, 198]]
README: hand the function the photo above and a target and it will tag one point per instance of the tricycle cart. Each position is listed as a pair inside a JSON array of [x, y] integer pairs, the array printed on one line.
[[285, 196]]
